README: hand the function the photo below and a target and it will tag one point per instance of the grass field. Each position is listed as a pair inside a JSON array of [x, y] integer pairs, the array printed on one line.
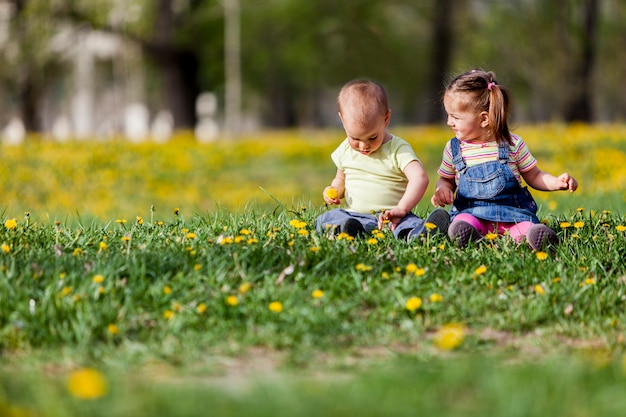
[[186, 279]]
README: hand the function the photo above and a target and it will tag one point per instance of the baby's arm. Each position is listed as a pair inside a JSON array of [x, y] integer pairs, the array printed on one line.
[[444, 192], [339, 184], [541, 180], [415, 189]]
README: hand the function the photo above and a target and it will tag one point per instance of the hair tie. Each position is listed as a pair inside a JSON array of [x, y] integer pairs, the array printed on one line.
[[491, 84]]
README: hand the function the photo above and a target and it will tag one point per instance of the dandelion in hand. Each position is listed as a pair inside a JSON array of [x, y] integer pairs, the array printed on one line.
[[331, 193]]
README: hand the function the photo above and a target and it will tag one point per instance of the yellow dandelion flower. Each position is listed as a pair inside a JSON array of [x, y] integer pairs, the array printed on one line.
[[435, 298], [449, 336], [275, 307], [176, 211], [413, 303], [125, 239], [201, 308], [77, 252], [362, 267], [113, 329], [245, 232], [344, 236], [539, 290], [590, 281], [103, 246], [542, 256], [556, 280], [385, 275], [197, 267], [565, 225], [372, 241], [303, 232], [580, 209], [10, 224], [232, 300], [191, 235], [176, 306], [252, 241], [331, 193], [298, 224], [167, 290], [480, 270], [244, 287], [442, 246], [66, 290], [410, 268], [314, 249], [239, 239], [5, 248], [86, 384], [101, 290], [139, 220], [579, 225], [317, 294], [620, 228], [430, 226], [420, 272], [98, 279], [168, 314], [225, 240], [491, 236]]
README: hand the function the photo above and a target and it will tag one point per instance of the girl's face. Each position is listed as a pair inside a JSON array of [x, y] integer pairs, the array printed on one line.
[[467, 124], [365, 138]]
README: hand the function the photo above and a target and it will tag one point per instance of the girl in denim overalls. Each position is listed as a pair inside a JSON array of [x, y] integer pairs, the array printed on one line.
[[484, 163]]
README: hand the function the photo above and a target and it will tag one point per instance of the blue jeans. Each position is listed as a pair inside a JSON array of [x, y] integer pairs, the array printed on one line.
[[334, 218]]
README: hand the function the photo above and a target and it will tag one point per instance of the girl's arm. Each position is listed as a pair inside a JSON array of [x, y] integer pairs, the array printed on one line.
[[415, 189], [542, 181], [444, 192], [339, 184]]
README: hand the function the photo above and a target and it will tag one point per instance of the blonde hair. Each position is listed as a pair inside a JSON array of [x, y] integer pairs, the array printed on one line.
[[479, 90], [363, 100]]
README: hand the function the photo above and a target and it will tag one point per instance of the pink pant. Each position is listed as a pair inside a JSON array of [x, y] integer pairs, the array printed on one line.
[[516, 230]]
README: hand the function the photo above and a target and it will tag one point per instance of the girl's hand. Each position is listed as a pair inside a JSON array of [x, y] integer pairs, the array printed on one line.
[[566, 182], [442, 197], [331, 195]]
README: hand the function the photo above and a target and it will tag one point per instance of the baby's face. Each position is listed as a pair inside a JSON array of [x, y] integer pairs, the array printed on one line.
[[366, 138]]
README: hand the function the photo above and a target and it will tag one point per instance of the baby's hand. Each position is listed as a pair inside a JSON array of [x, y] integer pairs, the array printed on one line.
[[331, 195], [566, 182], [391, 217]]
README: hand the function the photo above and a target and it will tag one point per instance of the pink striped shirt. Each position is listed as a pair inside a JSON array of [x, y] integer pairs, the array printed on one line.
[[520, 158]]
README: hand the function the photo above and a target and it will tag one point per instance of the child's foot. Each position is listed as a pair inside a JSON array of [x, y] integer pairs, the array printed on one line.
[[540, 236], [462, 233], [437, 221], [353, 227]]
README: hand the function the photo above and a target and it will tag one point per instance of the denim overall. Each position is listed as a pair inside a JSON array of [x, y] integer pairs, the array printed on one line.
[[490, 191]]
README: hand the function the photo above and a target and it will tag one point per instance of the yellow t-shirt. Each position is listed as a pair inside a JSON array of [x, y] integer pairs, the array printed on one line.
[[374, 182]]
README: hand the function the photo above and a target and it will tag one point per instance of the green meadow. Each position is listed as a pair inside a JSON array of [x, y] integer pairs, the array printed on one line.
[[187, 280]]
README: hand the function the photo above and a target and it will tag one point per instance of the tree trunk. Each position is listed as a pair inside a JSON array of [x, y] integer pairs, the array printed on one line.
[[579, 107], [441, 53]]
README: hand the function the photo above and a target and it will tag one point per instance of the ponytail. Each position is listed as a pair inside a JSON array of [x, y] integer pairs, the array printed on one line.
[[484, 94]]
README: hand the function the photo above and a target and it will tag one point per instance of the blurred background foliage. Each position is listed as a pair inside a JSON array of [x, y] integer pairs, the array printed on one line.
[[561, 58]]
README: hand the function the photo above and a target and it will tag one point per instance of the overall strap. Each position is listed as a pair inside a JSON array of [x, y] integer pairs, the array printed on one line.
[[457, 158], [503, 152]]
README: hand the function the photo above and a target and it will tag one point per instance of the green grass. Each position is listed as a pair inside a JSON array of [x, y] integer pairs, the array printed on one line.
[[177, 347]]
